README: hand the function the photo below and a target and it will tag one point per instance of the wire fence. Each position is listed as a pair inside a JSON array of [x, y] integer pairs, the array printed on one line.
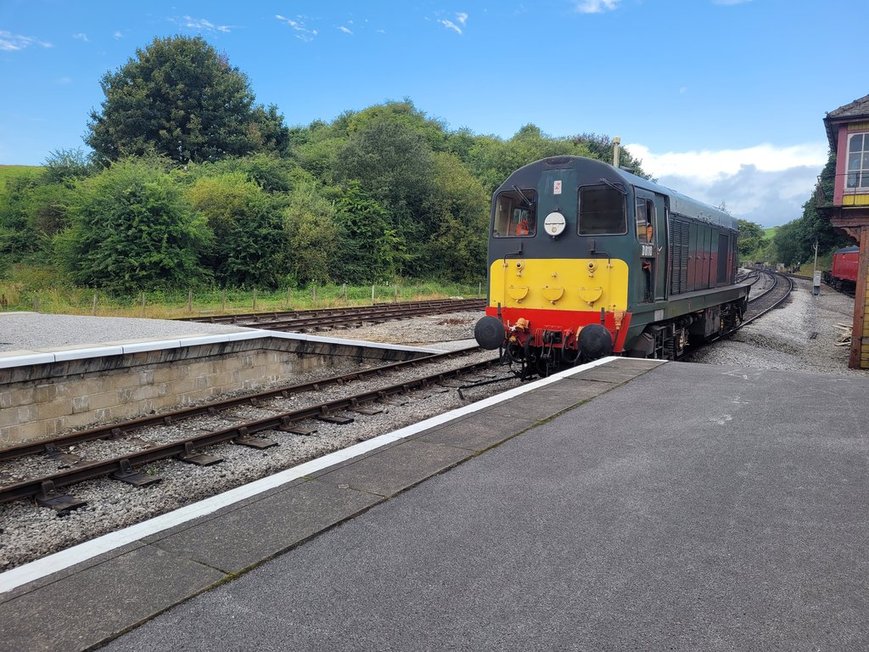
[[202, 302]]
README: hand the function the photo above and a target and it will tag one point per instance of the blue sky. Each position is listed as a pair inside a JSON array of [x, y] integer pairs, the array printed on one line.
[[723, 100]]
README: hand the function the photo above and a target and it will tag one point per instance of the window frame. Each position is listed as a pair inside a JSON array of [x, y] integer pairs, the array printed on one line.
[[516, 204], [860, 174], [579, 220], [649, 219]]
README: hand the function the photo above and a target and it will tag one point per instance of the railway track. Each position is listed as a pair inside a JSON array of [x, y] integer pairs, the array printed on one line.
[[773, 296], [325, 318], [127, 466]]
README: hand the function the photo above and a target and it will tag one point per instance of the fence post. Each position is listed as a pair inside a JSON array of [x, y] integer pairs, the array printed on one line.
[[314, 295], [190, 301], [143, 303], [396, 295], [254, 299], [289, 297], [372, 295], [94, 307], [223, 300], [344, 292]]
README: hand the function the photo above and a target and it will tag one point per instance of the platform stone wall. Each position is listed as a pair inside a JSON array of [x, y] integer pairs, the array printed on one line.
[[39, 402]]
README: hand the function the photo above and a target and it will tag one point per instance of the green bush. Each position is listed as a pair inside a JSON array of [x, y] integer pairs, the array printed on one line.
[[132, 230]]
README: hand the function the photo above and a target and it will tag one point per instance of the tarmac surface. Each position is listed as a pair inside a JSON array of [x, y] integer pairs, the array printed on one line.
[[632, 505]]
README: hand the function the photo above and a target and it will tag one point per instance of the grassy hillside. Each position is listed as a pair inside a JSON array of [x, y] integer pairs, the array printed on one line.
[[12, 171]]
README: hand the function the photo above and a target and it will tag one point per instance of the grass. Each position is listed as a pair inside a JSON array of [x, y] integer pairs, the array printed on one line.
[[16, 296]]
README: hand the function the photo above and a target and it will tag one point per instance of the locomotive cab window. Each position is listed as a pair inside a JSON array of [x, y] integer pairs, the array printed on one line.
[[602, 211], [515, 213], [645, 220]]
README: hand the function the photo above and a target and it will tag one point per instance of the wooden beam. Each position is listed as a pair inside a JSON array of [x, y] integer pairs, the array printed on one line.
[[854, 359]]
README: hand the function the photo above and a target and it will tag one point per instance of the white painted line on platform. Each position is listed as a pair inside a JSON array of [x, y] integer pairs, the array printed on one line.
[[64, 559]]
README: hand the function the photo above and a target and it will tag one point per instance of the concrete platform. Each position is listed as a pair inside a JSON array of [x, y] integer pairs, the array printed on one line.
[[80, 371], [627, 505]]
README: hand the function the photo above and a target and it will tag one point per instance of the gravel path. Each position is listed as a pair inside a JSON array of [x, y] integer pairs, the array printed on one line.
[[800, 336]]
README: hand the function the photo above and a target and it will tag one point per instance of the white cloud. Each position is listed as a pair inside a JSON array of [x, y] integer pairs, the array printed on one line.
[[596, 6], [81, 36], [346, 30], [298, 26], [118, 35], [10, 42], [461, 19], [202, 24], [764, 183], [709, 165]]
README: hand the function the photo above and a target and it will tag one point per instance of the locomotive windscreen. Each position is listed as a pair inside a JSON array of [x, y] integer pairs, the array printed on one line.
[[602, 211], [515, 213]]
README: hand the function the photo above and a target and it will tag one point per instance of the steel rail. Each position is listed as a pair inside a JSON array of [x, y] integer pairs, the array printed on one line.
[[120, 429], [280, 421], [254, 317], [330, 321]]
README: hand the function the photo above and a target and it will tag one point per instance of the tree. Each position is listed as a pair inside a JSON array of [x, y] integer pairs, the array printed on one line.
[[751, 237], [132, 230], [393, 163], [66, 166], [788, 242], [369, 247], [460, 209], [249, 241], [795, 241], [181, 99], [312, 235]]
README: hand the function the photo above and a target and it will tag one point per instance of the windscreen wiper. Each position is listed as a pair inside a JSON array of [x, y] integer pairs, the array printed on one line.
[[527, 201], [615, 186]]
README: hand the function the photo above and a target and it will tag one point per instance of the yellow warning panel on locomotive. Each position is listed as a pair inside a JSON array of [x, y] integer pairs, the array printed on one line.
[[559, 283]]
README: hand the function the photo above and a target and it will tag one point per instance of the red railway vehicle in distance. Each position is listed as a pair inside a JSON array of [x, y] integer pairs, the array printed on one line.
[[843, 275]]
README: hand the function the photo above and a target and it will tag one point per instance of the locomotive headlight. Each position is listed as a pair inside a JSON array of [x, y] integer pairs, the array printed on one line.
[[554, 224]]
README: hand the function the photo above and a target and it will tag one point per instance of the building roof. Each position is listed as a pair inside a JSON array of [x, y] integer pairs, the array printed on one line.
[[846, 113]]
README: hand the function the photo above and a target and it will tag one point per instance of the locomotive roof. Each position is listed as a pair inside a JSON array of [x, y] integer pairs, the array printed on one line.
[[679, 203]]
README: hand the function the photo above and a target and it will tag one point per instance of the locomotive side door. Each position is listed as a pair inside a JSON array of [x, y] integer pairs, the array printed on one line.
[[651, 217], [661, 239]]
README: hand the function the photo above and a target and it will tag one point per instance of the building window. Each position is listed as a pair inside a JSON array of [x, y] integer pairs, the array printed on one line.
[[858, 161]]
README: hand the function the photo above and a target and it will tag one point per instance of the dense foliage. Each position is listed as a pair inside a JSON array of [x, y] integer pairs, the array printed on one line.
[[130, 228], [179, 98], [794, 242], [191, 183]]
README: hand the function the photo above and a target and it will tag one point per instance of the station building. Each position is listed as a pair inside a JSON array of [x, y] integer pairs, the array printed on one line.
[[848, 134]]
